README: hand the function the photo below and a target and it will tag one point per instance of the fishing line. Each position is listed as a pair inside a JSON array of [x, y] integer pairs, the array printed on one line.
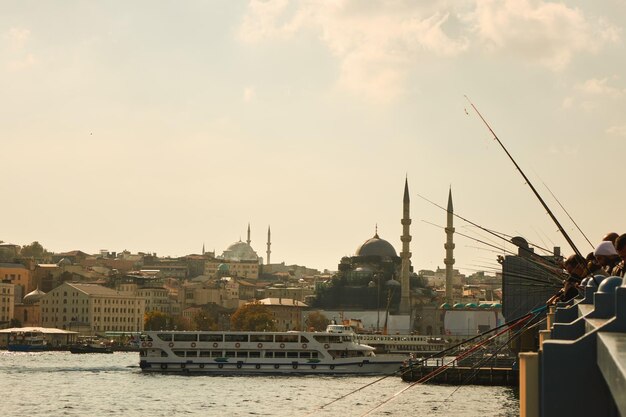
[[530, 184], [476, 367], [474, 348], [499, 235]]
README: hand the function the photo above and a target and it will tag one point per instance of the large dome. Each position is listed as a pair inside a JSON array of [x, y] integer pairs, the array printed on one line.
[[376, 247], [240, 251]]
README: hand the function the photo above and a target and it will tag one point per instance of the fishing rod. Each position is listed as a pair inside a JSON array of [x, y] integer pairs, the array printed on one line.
[[435, 373], [477, 367], [568, 215], [431, 356], [536, 259], [532, 187]]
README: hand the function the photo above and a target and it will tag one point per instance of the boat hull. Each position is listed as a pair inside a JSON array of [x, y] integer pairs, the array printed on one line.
[[251, 368], [89, 350], [26, 348]]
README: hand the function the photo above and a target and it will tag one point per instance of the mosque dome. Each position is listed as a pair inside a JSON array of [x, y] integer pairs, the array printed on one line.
[[222, 268], [376, 247], [240, 251], [33, 296]]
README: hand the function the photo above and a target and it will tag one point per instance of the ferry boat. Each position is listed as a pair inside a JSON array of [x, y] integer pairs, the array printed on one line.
[[235, 352], [404, 344], [27, 341]]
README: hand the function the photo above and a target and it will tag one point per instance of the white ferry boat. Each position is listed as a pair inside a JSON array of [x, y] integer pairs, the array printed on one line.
[[404, 344], [261, 352]]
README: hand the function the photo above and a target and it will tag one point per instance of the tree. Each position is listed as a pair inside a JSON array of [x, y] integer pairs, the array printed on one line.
[[317, 321], [155, 320], [253, 317], [202, 320], [34, 250]]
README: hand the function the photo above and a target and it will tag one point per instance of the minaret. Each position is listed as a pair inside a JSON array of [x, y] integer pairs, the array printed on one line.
[[449, 246], [269, 243], [248, 241], [405, 255], [203, 248]]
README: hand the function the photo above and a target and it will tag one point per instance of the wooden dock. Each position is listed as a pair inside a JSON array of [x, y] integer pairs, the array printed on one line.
[[457, 375]]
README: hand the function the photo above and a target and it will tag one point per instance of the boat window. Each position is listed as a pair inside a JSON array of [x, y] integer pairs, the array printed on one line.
[[279, 354], [180, 353], [164, 354], [328, 338], [287, 338], [230, 354], [143, 352], [346, 338], [192, 353], [205, 353], [242, 354], [185, 337], [261, 337], [256, 354], [269, 354], [236, 337], [208, 337], [216, 353], [292, 354], [166, 337], [304, 339], [305, 354], [314, 354]]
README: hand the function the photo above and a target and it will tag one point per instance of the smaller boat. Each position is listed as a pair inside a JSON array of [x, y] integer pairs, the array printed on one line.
[[27, 341], [91, 348]]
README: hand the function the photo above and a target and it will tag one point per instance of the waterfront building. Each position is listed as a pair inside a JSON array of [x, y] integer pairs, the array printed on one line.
[[91, 308], [286, 311], [18, 275], [7, 302], [28, 312]]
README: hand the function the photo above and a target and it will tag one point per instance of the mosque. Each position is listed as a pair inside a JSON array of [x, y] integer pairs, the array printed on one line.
[[375, 276], [239, 259]]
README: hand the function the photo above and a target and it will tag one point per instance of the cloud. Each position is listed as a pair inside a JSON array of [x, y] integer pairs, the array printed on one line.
[[15, 55], [593, 94], [378, 44], [16, 38], [549, 34], [600, 87], [619, 130]]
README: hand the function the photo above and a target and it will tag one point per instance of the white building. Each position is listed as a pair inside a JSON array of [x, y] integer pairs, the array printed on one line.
[[91, 308]]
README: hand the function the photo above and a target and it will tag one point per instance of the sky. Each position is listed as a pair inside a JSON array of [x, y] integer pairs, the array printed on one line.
[[160, 126]]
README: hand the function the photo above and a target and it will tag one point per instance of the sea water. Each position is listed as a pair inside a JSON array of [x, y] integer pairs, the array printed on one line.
[[64, 384]]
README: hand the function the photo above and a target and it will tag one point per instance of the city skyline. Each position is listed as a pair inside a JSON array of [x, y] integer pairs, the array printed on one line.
[[163, 127]]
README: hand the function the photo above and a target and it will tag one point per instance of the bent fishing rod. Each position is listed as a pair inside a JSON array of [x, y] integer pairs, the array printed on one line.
[[530, 184]]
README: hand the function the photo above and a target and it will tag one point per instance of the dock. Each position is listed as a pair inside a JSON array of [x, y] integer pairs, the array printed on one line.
[[464, 375]]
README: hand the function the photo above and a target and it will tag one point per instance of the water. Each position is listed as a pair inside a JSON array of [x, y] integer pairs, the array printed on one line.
[[62, 384]]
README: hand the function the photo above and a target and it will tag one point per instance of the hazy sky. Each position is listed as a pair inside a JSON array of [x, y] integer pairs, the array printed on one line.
[[160, 125]]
